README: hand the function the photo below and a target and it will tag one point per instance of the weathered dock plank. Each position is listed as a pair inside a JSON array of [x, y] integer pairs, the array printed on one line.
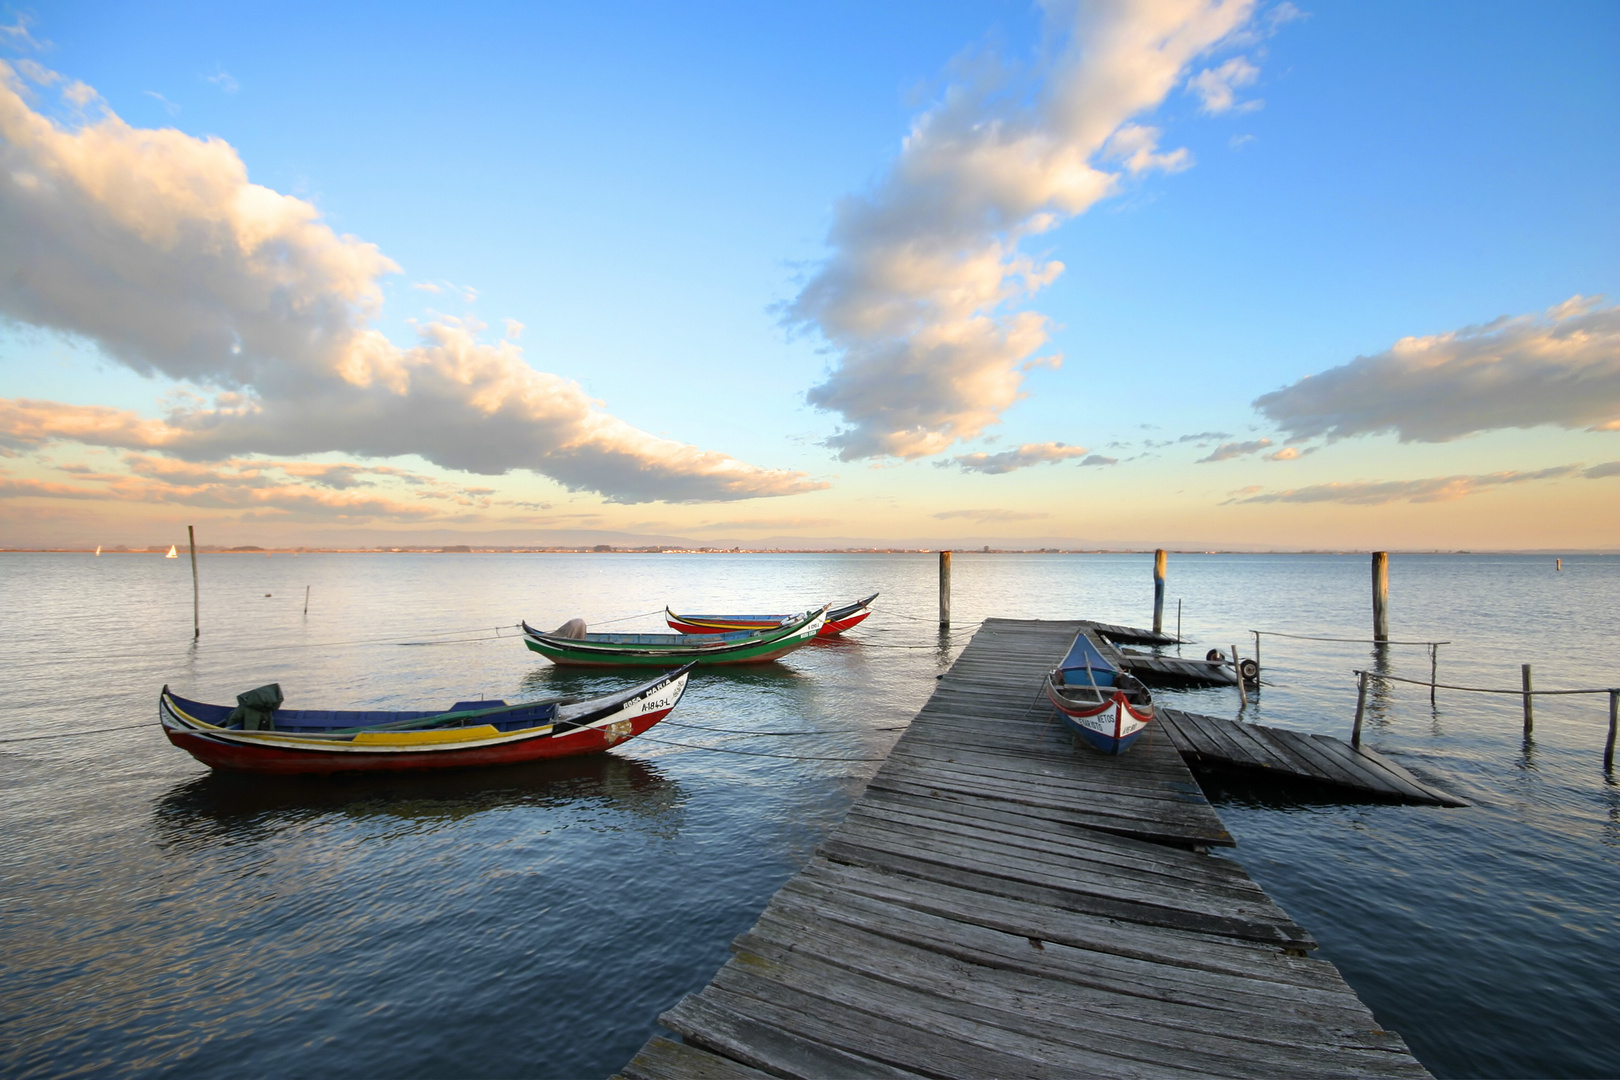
[[1212, 742], [1000, 902]]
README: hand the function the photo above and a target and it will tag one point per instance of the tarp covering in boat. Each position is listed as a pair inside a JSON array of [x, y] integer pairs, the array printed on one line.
[[256, 709]]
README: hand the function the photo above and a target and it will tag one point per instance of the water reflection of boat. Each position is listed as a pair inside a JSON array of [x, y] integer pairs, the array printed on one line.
[[260, 736], [226, 806]]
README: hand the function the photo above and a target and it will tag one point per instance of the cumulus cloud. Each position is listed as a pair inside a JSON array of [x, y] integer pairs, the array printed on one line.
[[990, 515], [1234, 449], [1291, 453], [1049, 453], [916, 298], [1560, 367], [1217, 87], [156, 246], [1429, 490]]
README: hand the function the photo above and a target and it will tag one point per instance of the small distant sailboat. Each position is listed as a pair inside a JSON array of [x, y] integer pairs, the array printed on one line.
[[98, 549], [172, 554]]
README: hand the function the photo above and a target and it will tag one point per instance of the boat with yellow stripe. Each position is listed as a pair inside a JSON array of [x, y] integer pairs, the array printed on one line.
[[257, 735]]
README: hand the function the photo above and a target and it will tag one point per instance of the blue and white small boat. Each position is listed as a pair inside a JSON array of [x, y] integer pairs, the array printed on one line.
[[1103, 705]]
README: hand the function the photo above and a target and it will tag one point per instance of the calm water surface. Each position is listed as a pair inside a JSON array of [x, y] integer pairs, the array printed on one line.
[[157, 918]]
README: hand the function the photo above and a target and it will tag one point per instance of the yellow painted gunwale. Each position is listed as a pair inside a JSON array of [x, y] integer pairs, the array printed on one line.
[[371, 739]]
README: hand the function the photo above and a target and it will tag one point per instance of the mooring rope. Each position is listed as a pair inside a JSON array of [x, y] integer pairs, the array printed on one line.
[[1519, 692], [736, 731], [754, 753], [68, 734], [1347, 640]]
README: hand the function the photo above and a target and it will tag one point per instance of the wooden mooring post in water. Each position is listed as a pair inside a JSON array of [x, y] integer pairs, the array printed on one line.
[[944, 590], [1614, 721], [1380, 589], [1158, 593], [196, 613], [1529, 696]]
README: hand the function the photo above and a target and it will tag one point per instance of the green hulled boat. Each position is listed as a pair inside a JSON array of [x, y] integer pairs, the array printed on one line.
[[571, 646]]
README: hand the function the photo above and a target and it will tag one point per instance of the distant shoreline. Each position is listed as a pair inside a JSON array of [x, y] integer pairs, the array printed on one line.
[[603, 549]]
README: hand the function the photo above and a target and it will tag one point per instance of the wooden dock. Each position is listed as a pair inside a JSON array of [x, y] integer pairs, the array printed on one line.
[[1228, 745], [1151, 667], [1001, 903]]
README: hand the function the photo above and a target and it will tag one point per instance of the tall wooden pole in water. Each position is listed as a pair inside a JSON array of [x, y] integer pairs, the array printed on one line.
[[1380, 586], [196, 621], [944, 590], [1529, 709], [1158, 591]]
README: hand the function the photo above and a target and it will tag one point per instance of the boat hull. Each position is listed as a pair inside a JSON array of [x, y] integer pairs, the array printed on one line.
[[838, 620], [1110, 726], [646, 650], [585, 728]]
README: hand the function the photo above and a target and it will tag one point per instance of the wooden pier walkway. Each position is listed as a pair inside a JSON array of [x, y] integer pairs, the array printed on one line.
[[999, 903], [1211, 742], [1154, 669]]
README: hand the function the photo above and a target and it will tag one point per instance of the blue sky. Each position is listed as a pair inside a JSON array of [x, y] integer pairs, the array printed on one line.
[[648, 189]]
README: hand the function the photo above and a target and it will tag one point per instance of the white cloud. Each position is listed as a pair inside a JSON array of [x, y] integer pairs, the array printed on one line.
[[1561, 367], [915, 298], [1229, 450], [222, 79], [168, 106], [156, 246], [1008, 460], [1217, 87], [1427, 490], [18, 36]]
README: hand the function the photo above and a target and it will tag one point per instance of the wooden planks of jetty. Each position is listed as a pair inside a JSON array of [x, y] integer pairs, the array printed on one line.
[[1212, 742], [1152, 668], [1001, 903]]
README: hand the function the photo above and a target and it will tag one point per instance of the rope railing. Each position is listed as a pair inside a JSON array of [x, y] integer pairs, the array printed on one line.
[[1526, 691], [1433, 647], [1351, 641]]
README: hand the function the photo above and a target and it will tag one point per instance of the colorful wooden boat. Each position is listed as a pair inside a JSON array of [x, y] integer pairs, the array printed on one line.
[[1105, 706], [627, 650], [838, 620], [468, 733]]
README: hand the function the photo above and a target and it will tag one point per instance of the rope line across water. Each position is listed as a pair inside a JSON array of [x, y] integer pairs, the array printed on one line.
[[1348, 640], [754, 753], [1517, 692]]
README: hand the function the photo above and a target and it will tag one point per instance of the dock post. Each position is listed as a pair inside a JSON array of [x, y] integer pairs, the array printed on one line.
[[1361, 710], [1560, 563], [1237, 669], [1178, 622], [944, 590], [196, 614], [306, 599], [1380, 589], [1614, 720], [1434, 667], [1256, 634], [1529, 713], [1158, 591]]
